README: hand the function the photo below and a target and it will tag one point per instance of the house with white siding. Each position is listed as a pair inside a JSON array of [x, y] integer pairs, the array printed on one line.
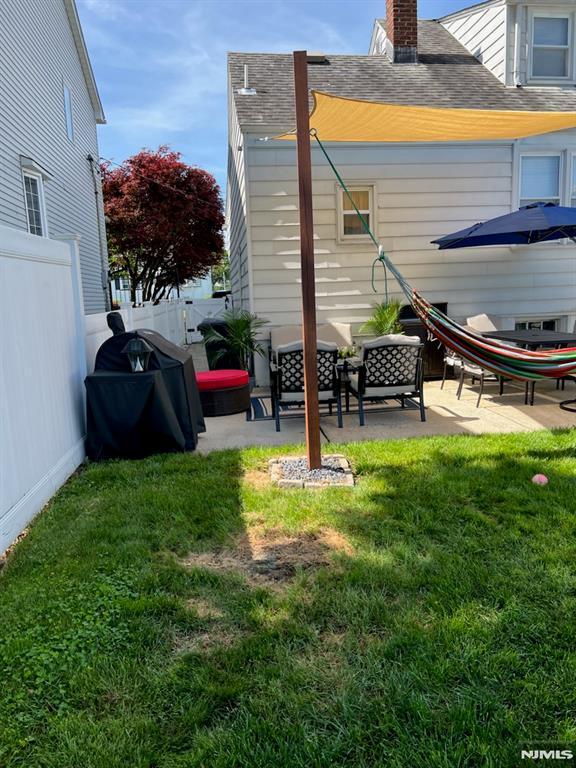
[[50, 107], [500, 54]]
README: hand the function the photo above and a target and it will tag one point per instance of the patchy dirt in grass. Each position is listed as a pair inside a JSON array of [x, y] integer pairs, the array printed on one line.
[[273, 557], [204, 609], [196, 642], [257, 479]]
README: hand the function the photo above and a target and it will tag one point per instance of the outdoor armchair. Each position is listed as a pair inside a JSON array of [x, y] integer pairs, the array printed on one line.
[[391, 369], [287, 378]]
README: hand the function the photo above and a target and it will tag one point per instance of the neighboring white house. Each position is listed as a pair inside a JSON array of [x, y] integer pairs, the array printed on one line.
[[49, 109], [193, 289], [501, 54]]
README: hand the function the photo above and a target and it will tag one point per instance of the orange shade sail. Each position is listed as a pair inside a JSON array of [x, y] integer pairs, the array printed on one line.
[[352, 120]]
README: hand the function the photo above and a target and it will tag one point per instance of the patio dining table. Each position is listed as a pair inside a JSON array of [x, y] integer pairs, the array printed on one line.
[[533, 338]]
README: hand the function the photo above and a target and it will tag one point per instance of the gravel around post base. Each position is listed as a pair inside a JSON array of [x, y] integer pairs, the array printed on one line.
[[293, 472]]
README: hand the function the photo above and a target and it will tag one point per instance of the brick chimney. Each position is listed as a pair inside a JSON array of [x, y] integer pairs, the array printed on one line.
[[402, 31]]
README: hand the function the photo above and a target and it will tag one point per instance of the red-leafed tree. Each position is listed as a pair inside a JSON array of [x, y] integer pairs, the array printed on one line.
[[164, 221]]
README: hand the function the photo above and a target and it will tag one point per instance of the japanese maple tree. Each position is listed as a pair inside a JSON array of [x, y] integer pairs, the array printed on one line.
[[164, 221]]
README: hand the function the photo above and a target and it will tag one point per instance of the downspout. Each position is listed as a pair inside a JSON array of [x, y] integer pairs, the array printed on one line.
[[518, 25], [106, 287]]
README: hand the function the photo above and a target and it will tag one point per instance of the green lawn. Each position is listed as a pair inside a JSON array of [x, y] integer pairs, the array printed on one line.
[[442, 631]]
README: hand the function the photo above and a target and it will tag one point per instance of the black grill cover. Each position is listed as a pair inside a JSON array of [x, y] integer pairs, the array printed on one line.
[[177, 372]]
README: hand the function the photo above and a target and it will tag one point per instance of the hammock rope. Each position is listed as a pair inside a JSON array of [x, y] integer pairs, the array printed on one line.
[[492, 355]]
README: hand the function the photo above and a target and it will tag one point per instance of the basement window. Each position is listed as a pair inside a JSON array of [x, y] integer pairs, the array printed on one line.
[[536, 325], [350, 225]]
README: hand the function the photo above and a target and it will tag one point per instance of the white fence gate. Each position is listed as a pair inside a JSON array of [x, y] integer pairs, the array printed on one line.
[[42, 368], [198, 310]]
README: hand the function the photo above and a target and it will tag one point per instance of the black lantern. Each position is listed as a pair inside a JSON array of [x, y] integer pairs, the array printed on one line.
[[138, 352]]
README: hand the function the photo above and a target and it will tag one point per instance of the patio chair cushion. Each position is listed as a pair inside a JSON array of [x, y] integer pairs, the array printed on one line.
[[295, 346], [335, 333], [391, 391], [391, 338], [286, 334], [331, 333], [224, 379], [481, 322]]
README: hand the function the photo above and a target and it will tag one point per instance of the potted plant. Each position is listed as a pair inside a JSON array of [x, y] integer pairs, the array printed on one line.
[[384, 319], [238, 338]]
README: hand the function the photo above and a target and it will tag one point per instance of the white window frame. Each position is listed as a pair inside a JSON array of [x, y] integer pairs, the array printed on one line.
[[41, 200], [570, 77], [354, 187], [562, 170], [570, 181], [68, 112]]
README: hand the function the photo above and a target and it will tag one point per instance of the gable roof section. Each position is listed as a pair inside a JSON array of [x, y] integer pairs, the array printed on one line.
[[78, 36], [446, 75]]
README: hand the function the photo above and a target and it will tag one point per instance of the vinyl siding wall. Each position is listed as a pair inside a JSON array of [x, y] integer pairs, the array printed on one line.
[[420, 192], [236, 206], [37, 57], [483, 33]]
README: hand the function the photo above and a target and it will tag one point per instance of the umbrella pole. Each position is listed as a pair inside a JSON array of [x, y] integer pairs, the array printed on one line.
[[307, 260]]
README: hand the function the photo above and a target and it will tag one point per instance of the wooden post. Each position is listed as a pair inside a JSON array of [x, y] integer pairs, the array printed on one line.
[[307, 260]]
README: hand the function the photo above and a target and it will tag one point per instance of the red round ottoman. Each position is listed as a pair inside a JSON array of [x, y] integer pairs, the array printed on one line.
[[224, 392]]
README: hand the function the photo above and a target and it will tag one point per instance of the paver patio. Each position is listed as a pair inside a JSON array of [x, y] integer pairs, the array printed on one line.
[[446, 415]]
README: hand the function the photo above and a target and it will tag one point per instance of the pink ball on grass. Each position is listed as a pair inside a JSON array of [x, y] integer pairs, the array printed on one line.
[[540, 480]]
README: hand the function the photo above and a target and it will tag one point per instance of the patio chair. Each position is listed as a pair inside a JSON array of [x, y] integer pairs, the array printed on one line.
[[478, 374], [482, 323], [339, 334], [287, 378], [391, 369], [451, 360]]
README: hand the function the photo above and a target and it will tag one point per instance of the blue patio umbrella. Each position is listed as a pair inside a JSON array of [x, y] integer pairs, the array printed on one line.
[[534, 223]]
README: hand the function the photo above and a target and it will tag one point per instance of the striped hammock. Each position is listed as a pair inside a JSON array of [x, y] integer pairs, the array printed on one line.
[[501, 359], [498, 358]]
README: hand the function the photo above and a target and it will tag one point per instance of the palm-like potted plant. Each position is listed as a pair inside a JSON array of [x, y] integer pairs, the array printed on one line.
[[384, 319], [239, 338]]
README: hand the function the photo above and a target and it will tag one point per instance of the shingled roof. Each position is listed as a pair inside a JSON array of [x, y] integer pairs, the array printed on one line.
[[446, 75]]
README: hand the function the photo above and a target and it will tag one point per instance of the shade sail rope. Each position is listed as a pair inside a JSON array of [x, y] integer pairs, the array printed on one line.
[[490, 354]]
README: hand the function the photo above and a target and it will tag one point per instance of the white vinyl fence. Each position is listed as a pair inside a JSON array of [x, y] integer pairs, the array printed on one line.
[[47, 345], [42, 368]]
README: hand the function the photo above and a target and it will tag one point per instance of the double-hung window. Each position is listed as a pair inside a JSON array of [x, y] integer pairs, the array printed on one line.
[[552, 47], [35, 206], [540, 178], [350, 225]]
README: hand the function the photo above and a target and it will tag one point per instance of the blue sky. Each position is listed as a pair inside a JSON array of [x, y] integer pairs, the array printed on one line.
[[161, 64]]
